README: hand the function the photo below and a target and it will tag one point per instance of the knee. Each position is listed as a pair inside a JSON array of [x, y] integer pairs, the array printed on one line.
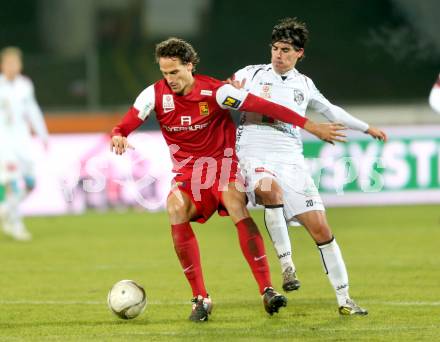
[[271, 197], [322, 233], [235, 207], [268, 192], [178, 211]]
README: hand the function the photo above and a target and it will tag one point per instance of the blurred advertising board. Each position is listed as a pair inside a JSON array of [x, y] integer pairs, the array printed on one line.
[[405, 170], [78, 171]]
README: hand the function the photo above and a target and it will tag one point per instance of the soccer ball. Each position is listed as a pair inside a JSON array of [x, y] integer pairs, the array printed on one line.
[[127, 299]]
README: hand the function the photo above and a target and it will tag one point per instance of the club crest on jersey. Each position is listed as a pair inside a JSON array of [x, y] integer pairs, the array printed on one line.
[[298, 96], [265, 91], [204, 108], [167, 103], [231, 102]]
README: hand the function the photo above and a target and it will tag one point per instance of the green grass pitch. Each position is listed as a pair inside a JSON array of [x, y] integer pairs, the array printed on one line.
[[55, 288]]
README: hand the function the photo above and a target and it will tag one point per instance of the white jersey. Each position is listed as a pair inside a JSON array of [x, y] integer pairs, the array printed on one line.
[[19, 110], [19, 116], [259, 136]]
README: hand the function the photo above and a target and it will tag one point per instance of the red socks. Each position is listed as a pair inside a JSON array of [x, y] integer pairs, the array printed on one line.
[[252, 246], [187, 250], [251, 243]]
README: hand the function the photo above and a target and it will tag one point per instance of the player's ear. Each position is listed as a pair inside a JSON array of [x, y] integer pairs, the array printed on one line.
[[189, 67]]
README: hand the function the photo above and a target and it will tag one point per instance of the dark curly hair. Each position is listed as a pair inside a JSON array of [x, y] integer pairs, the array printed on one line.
[[177, 48], [291, 31]]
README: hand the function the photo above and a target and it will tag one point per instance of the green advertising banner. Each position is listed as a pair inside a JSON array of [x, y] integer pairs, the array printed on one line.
[[364, 171]]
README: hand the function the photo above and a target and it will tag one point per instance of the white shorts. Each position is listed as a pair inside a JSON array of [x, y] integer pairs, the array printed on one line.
[[300, 194], [25, 154]]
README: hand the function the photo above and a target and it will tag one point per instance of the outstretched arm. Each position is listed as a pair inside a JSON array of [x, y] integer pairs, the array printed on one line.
[[35, 116], [134, 117], [337, 114], [119, 143], [128, 124], [229, 97]]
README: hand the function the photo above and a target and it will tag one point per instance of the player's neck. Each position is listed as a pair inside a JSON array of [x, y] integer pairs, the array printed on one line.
[[282, 72], [10, 77], [189, 87]]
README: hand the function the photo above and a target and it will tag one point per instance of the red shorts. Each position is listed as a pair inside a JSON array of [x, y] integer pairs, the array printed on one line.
[[204, 186]]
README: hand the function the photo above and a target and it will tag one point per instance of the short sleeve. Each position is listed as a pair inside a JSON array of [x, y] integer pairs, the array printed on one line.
[[145, 102], [229, 97]]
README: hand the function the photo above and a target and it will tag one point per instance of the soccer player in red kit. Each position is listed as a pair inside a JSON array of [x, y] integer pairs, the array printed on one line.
[[193, 113]]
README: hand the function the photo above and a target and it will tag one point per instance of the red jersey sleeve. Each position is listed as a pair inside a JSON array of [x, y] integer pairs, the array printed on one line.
[[137, 114], [128, 124], [259, 105], [229, 97]]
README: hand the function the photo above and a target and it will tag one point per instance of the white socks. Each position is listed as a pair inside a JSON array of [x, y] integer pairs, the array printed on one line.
[[334, 266], [11, 218], [277, 229], [331, 256]]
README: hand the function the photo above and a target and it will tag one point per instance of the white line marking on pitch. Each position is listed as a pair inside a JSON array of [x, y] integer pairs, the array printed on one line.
[[158, 302]]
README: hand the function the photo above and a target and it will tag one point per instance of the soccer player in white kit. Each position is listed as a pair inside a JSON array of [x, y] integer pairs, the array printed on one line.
[[20, 115], [434, 96], [271, 157], [9, 180]]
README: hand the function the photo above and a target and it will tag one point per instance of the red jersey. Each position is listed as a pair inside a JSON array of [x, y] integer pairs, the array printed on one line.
[[198, 124], [194, 123]]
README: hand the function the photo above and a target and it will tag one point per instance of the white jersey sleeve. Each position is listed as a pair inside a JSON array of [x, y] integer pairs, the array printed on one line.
[[229, 97], [34, 114], [434, 96], [145, 102], [333, 113]]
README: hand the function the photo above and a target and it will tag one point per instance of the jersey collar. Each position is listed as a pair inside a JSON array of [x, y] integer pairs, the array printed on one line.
[[287, 76]]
